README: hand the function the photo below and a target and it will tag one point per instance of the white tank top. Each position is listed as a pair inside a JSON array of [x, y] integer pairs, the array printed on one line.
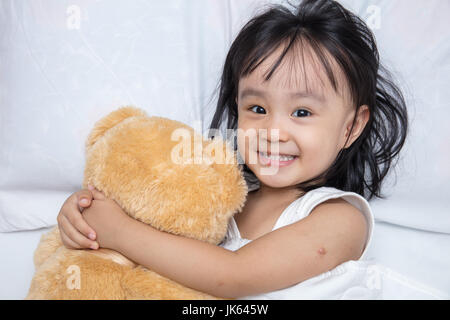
[[349, 280]]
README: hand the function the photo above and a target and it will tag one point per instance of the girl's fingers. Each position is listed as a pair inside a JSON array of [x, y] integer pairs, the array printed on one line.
[[98, 195], [76, 236], [75, 218], [83, 199], [66, 240]]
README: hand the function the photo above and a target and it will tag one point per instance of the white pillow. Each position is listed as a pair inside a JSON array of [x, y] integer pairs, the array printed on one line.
[[66, 66]]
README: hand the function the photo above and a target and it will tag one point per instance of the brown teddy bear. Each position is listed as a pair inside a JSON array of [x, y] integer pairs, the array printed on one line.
[[135, 160]]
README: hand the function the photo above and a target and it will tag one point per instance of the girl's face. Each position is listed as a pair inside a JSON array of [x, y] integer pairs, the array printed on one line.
[[313, 125]]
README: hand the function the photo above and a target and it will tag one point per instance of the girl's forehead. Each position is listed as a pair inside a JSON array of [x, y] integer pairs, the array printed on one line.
[[300, 70]]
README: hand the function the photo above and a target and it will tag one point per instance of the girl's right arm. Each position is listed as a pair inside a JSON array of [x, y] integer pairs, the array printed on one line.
[[75, 232]]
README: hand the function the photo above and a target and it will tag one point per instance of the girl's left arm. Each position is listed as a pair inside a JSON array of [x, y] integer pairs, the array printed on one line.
[[334, 232]]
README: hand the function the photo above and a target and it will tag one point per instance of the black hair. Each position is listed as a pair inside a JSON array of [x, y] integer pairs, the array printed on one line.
[[328, 28]]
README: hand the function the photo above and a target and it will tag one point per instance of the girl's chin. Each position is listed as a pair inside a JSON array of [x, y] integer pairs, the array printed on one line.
[[273, 176], [275, 182]]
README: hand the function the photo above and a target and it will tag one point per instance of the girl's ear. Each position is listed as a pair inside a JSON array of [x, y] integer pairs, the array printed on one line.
[[360, 123]]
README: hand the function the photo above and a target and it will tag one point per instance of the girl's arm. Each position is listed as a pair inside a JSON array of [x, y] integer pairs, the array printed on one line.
[[333, 233]]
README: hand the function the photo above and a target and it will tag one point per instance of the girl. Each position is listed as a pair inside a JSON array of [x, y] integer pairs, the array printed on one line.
[[311, 76]]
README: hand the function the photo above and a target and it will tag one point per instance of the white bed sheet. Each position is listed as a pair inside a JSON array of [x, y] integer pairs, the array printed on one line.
[[402, 255], [16, 267]]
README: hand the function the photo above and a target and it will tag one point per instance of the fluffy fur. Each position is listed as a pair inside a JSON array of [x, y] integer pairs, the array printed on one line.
[[128, 157]]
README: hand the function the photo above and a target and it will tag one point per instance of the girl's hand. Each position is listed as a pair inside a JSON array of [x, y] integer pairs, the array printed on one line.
[[107, 218], [75, 232]]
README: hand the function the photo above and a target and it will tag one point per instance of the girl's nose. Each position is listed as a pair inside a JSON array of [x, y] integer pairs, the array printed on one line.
[[277, 131], [277, 135], [272, 140]]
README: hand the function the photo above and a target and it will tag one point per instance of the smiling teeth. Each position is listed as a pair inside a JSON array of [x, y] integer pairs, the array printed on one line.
[[277, 157]]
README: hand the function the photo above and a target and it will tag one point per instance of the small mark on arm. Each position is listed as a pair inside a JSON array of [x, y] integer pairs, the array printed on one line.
[[322, 251]]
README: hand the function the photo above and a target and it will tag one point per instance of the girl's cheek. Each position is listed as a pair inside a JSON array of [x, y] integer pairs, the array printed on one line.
[[246, 142], [242, 145]]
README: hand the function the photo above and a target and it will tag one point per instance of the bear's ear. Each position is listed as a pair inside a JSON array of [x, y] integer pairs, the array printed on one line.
[[111, 120]]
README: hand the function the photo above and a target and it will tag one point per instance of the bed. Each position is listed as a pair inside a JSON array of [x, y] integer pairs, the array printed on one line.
[[65, 64]]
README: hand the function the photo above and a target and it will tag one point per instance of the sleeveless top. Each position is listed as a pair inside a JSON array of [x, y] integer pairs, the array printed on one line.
[[349, 280]]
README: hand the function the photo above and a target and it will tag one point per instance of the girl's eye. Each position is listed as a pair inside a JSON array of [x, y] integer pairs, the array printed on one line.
[[257, 108], [302, 114]]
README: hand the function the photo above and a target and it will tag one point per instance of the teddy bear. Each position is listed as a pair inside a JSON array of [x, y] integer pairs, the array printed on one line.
[[135, 160]]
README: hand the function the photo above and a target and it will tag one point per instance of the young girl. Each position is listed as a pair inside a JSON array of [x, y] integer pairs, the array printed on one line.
[[312, 76]]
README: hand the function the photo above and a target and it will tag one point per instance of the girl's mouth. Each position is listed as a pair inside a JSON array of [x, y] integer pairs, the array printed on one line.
[[275, 160]]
